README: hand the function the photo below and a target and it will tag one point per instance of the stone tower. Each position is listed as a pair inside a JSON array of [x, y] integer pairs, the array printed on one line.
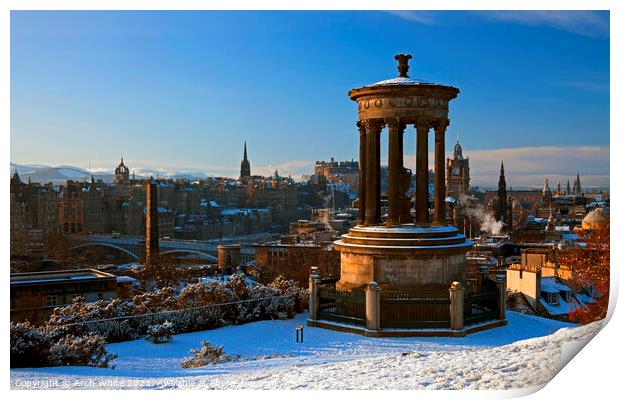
[[152, 225], [502, 207], [121, 173], [245, 164], [546, 192], [458, 173], [577, 185], [228, 257]]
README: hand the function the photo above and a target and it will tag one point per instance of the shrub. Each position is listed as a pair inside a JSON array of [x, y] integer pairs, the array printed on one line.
[[160, 333], [161, 303], [30, 346], [86, 350], [207, 354]]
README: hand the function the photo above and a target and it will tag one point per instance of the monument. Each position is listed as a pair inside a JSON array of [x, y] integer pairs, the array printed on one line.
[[399, 257], [401, 252]]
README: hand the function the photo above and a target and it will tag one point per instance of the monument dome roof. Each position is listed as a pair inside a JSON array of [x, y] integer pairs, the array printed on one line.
[[400, 80], [595, 219]]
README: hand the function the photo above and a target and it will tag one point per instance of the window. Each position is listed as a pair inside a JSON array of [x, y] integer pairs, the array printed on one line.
[[51, 300], [551, 298], [567, 295]]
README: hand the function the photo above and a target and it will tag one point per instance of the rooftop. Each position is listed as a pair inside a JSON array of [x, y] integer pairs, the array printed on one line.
[[58, 276]]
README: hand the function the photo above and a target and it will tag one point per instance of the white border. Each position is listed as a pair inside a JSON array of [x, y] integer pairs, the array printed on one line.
[[591, 374]]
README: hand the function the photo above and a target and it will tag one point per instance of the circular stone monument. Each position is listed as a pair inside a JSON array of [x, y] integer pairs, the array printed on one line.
[[402, 253]]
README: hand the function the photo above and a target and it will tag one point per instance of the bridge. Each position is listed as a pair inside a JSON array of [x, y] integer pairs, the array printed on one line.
[[206, 250]]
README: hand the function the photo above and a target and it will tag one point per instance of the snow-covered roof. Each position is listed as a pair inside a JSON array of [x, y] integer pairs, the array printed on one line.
[[550, 285], [127, 279], [561, 308], [399, 80]]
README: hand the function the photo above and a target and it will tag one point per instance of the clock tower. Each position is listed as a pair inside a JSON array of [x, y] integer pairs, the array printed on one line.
[[457, 171]]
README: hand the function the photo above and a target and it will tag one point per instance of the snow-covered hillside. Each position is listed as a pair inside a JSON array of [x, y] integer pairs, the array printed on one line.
[[527, 352]]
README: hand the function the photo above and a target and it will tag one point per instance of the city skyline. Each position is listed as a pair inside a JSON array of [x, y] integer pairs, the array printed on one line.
[[274, 75]]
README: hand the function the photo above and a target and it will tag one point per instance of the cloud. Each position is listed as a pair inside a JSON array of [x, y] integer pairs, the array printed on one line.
[[423, 17], [584, 85], [529, 166], [587, 23]]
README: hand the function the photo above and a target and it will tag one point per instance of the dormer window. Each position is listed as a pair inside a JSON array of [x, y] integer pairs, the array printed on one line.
[[552, 298]]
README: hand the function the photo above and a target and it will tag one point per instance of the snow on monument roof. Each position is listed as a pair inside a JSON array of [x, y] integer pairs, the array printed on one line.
[[401, 80]]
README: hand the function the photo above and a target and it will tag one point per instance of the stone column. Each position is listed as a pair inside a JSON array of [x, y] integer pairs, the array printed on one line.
[[421, 162], [500, 283], [313, 288], [394, 171], [152, 225], [457, 304], [378, 175], [373, 317], [373, 130], [439, 217], [404, 183], [361, 198]]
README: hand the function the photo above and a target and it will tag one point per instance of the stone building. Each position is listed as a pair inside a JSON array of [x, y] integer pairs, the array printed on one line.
[[34, 295], [32, 206], [93, 208], [343, 172], [458, 173], [292, 258], [121, 173], [70, 208]]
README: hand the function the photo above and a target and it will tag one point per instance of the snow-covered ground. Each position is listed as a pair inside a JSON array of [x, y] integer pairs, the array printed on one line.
[[527, 352]]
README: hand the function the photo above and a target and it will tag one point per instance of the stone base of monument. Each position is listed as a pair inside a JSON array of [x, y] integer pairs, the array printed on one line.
[[467, 330], [406, 258], [405, 280]]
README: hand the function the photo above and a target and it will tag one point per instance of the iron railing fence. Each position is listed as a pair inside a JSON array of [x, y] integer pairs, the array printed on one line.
[[342, 306], [406, 311], [481, 307]]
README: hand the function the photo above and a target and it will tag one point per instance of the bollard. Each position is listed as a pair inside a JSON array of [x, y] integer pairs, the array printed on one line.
[[372, 306], [500, 283], [313, 287], [457, 304], [299, 334]]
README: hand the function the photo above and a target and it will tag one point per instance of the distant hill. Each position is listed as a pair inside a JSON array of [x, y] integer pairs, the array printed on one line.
[[62, 173]]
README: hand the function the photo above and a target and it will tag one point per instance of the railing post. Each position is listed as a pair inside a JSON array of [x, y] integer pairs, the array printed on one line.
[[313, 288], [500, 282], [457, 303], [373, 318]]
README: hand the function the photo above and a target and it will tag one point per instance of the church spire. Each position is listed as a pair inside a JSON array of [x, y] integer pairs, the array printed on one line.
[[501, 185], [577, 185], [245, 164]]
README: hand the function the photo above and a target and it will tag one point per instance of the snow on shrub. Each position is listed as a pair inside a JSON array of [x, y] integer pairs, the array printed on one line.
[[197, 306], [86, 350], [49, 346], [160, 333], [30, 346], [207, 354]]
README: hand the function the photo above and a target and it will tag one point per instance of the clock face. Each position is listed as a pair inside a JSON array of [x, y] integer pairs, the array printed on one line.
[[456, 170]]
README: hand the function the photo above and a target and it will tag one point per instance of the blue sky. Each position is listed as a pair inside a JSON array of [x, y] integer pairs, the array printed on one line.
[[181, 91]]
